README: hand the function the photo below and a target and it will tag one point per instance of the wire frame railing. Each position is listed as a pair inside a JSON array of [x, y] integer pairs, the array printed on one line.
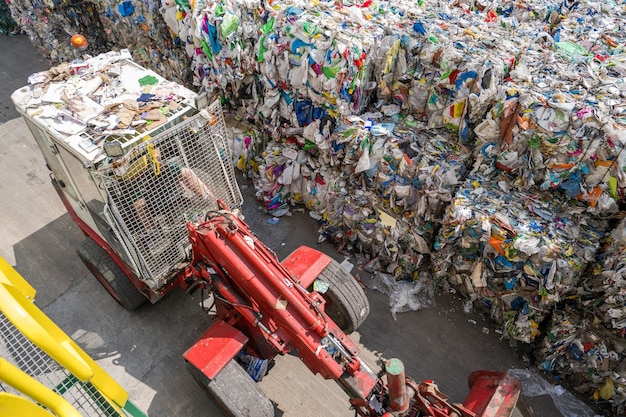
[[165, 181]]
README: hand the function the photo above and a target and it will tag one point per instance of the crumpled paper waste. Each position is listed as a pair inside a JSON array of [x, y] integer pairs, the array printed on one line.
[[106, 96], [515, 254], [582, 352]]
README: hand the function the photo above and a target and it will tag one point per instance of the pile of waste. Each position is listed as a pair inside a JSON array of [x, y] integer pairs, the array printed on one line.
[[515, 254], [605, 288], [580, 350], [468, 144], [138, 26], [585, 341], [8, 26], [378, 184]]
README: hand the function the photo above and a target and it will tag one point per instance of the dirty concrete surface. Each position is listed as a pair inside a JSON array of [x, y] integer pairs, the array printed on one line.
[[143, 349]]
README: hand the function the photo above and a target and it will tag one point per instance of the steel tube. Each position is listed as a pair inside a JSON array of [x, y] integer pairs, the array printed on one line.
[[398, 400], [269, 272]]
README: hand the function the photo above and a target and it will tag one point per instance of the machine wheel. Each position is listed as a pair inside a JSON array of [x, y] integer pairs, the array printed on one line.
[[346, 303], [235, 391], [110, 275]]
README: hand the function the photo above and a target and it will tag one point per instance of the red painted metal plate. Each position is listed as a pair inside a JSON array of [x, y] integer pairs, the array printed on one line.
[[215, 348], [305, 264], [492, 394]]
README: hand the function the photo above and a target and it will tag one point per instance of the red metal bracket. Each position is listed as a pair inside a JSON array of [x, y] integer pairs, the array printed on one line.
[[305, 264], [215, 348]]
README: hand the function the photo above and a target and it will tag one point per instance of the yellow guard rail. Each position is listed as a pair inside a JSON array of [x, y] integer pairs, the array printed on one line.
[[43, 372]]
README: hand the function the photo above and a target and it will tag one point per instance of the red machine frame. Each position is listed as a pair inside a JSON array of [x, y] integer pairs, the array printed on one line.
[[265, 305]]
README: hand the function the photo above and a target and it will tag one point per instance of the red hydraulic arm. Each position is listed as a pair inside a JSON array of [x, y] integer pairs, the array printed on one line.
[[256, 293], [269, 310]]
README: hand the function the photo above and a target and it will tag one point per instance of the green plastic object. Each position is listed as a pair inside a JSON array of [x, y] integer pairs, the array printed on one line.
[[148, 80], [229, 25], [571, 49]]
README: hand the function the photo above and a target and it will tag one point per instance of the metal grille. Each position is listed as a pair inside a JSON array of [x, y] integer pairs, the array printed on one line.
[[21, 352], [165, 181]]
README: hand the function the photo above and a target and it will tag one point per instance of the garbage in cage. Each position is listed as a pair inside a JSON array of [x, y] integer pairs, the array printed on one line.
[[136, 156]]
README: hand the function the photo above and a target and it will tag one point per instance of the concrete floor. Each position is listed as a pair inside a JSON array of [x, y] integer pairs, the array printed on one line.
[[142, 350]]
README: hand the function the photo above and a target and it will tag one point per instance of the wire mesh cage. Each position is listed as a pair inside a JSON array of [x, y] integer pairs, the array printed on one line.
[[165, 181], [25, 355]]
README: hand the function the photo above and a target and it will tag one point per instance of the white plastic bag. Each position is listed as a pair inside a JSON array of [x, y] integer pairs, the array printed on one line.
[[364, 162]]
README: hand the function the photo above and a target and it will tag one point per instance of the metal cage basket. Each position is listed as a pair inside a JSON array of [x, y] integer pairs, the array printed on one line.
[[165, 181]]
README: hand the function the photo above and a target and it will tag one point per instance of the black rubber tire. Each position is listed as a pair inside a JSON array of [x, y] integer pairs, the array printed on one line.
[[235, 391], [110, 275], [346, 303]]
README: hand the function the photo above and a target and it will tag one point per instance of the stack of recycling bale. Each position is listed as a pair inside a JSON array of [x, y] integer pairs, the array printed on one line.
[[528, 131], [523, 228], [585, 341], [50, 26], [268, 57], [605, 289], [585, 355], [8, 25], [378, 185], [515, 253], [110, 24], [140, 26], [537, 136], [548, 156], [572, 158]]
